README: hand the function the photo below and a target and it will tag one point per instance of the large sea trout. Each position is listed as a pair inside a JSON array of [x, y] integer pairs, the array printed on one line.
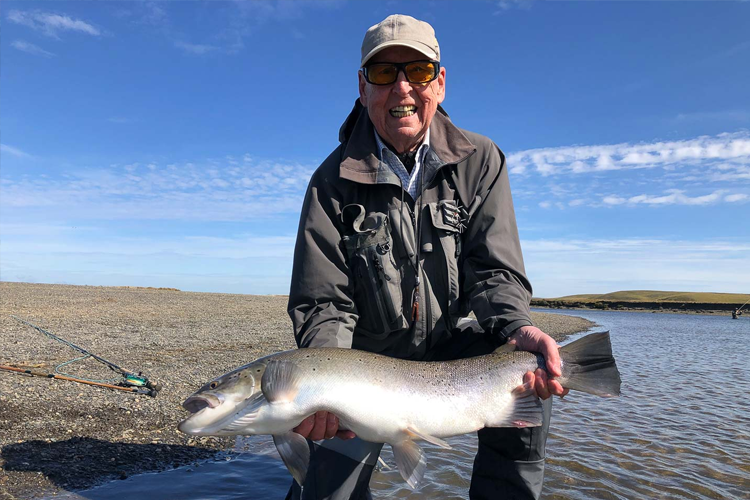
[[388, 400]]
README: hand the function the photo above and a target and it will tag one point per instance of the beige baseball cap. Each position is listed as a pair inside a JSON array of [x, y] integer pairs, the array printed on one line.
[[399, 29]]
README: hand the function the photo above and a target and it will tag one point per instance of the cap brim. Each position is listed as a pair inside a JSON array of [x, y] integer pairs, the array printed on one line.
[[418, 46]]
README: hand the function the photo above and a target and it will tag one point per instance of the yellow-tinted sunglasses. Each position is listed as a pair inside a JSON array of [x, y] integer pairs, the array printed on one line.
[[385, 73]]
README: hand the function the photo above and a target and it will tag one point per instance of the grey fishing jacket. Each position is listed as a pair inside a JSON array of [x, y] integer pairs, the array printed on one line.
[[355, 260]]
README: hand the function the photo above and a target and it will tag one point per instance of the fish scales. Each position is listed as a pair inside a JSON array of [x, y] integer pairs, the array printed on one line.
[[389, 400], [387, 394]]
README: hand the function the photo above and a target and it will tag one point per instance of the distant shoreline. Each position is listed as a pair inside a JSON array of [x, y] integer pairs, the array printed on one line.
[[60, 436], [650, 308]]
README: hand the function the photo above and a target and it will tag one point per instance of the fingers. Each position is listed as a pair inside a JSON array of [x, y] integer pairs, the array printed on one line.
[[332, 426], [322, 425], [318, 431], [556, 389], [345, 435], [541, 384], [305, 427], [551, 352]]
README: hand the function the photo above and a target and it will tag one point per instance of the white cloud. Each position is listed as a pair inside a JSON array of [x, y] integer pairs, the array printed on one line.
[[673, 197], [151, 191], [701, 171], [194, 48], [505, 5], [733, 198], [14, 151], [30, 48], [728, 148], [51, 24]]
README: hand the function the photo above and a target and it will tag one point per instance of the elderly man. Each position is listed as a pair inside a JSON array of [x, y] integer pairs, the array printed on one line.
[[407, 227]]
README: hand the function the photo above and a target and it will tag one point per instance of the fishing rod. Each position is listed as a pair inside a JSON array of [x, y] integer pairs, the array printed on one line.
[[139, 390], [131, 381], [743, 305]]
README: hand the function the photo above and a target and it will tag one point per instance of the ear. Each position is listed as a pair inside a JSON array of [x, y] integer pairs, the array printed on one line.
[[362, 88], [441, 85]]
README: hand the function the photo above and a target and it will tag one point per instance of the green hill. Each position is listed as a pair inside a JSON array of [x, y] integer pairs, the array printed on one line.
[[659, 296]]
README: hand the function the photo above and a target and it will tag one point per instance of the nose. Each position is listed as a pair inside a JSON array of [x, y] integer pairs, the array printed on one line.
[[401, 85]]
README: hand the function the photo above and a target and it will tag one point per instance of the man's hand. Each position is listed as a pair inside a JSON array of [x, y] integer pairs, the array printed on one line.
[[531, 338], [322, 425]]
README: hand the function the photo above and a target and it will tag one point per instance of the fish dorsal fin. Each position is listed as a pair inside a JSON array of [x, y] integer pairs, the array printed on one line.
[[280, 381], [414, 433], [410, 461], [248, 413], [525, 410], [295, 453], [505, 348]]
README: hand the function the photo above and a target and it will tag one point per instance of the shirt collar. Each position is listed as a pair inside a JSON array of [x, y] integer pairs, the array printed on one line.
[[420, 151]]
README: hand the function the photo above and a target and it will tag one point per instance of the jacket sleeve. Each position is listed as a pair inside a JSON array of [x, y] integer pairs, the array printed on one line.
[[320, 299], [494, 277]]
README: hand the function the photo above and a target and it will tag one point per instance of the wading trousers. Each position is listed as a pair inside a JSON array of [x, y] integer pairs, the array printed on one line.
[[509, 464]]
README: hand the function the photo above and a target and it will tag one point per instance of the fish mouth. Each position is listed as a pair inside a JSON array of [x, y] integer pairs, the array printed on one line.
[[198, 402]]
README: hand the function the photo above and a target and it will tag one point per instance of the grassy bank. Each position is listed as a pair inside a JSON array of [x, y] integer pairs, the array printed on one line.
[[651, 300]]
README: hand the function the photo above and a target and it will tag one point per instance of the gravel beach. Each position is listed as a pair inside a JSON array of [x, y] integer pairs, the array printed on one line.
[[64, 436]]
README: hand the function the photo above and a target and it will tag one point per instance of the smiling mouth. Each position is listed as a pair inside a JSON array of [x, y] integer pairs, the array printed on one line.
[[402, 111]]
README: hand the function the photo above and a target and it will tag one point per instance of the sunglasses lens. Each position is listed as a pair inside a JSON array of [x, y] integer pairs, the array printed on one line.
[[420, 71], [382, 74]]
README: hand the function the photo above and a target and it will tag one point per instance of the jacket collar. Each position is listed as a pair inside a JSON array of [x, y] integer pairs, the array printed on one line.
[[360, 162]]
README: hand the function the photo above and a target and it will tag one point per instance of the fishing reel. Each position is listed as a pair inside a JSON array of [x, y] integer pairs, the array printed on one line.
[[145, 386]]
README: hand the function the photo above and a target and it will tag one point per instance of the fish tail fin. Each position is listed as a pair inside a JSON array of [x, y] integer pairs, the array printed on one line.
[[589, 366]]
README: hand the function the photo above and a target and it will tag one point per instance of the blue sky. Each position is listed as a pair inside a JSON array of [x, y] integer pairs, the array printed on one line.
[[169, 143]]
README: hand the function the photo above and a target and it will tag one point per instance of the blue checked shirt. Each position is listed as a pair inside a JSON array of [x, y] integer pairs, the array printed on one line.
[[409, 182]]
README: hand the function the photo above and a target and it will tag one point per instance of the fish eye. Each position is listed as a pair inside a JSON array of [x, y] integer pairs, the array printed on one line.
[[213, 385]]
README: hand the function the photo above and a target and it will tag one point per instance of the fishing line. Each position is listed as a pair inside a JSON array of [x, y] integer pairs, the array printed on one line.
[[128, 380]]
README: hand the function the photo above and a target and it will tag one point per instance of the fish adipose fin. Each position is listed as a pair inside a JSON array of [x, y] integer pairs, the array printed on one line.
[[280, 381], [295, 453], [248, 413], [525, 409], [589, 366], [414, 433], [410, 461]]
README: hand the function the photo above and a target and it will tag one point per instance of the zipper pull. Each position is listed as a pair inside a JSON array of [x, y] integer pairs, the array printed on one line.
[[415, 304]]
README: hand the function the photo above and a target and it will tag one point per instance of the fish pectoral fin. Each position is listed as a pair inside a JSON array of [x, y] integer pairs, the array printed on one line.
[[525, 409], [248, 413], [295, 452], [410, 461], [280, 381], [414, 433]]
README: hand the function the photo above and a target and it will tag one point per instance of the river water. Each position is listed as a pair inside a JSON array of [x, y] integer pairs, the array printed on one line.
[[680, 430]]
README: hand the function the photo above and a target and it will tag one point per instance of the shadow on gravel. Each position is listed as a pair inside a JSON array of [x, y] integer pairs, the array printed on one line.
[[82, 463]]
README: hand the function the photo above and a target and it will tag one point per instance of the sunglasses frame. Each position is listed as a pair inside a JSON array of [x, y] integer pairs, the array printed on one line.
[[401, 68]]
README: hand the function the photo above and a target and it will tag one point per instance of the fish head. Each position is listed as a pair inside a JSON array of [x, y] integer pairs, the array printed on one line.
[[217, 403]]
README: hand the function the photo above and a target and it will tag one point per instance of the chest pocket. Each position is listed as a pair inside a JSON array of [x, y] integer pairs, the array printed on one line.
[[377, 292], [449, 218]]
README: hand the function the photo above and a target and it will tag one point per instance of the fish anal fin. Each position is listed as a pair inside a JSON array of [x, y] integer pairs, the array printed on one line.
[[295, 453], [280, 381], [410, 461], [414, 433], [524, 410]]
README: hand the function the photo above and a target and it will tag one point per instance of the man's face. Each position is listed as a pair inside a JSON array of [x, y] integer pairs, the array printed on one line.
[[402, 132]]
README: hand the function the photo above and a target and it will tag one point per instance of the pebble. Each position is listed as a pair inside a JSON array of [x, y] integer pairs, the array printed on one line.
[[191, 338]]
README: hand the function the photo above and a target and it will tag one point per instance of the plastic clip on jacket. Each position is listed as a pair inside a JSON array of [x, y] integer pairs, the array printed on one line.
[[415, 304]]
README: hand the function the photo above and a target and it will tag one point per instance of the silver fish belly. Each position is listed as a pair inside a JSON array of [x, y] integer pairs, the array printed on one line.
[[388, 400]]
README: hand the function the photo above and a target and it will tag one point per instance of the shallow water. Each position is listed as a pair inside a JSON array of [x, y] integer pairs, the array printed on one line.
[[680, 430]]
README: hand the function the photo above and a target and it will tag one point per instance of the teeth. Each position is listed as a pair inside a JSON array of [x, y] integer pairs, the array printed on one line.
[[401, 111]]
